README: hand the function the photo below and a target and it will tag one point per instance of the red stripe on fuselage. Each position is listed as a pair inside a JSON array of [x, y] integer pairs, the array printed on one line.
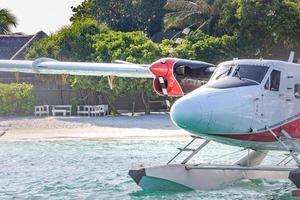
[[293, 128]]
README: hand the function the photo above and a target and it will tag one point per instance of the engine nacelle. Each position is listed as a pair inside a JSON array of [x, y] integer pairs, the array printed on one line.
[[180, 76]]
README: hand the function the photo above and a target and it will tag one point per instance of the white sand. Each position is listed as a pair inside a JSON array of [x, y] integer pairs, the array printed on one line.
[[155, 126]]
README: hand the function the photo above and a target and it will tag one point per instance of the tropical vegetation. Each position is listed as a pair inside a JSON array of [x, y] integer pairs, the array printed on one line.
[[7, 20], [106, 30], [16, 99], [201, 14]]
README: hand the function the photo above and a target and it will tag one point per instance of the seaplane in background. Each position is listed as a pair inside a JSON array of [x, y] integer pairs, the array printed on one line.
[[253, 104]]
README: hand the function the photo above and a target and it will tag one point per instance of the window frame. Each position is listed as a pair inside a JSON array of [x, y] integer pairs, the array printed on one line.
[[271, 79], [295, 95], [267, 83]]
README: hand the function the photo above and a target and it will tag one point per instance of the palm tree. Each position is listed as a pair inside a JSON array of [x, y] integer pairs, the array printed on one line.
[[7, 20], [194, 13]]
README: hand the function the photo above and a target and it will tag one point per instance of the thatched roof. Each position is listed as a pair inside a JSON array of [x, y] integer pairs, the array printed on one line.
[[14, 46]]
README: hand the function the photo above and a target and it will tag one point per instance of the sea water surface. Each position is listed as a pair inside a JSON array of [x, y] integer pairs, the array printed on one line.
[[99, 170]]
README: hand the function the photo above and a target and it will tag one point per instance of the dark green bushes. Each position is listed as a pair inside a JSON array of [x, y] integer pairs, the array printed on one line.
[[16, 99]]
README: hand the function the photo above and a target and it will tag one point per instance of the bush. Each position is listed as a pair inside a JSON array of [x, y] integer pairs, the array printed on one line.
[[199, 46], [16, 99]]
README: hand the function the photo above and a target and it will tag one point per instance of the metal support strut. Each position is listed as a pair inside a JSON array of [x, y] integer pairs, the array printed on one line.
[[194, 151], [288, 137], [4, 130]]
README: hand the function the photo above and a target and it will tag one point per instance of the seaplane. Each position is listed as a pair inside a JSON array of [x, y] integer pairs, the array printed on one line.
[[248, 103]]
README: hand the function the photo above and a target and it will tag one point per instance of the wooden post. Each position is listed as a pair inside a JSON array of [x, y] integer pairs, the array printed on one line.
[[17, 76]]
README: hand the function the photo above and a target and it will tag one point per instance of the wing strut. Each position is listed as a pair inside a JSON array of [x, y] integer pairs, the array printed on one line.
[[111, 81]]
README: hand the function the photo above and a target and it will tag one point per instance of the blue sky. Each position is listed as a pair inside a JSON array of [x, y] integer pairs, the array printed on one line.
[[36, 15]]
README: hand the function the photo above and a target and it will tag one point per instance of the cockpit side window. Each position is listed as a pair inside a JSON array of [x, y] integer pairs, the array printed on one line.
[[275, 80]]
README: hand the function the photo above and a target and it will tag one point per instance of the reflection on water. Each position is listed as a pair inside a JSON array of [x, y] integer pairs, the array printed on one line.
[[99, 170]]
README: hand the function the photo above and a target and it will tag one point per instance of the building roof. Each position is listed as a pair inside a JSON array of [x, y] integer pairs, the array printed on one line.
[[160, 36], [14, 46]]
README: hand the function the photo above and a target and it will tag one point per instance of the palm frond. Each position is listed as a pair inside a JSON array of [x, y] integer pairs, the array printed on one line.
[[183, 19], [181, 5], [217, 6], [6, 21]]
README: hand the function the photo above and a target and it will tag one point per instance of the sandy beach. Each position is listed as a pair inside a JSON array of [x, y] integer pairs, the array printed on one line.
[[155, 126]]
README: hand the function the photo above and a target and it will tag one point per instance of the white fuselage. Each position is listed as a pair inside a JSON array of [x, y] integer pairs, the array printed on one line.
[[242, 99]]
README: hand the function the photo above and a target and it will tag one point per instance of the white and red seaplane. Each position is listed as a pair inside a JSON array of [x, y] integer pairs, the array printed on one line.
[[254, 104]]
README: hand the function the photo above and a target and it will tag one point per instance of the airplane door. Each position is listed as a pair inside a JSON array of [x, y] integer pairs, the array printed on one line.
[[258, 109], [274, 98]]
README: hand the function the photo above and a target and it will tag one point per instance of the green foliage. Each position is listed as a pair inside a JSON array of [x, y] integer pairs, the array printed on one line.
[[132, 47], [261, 24], [287, 24], [71, 43], [128, 15], [83, 11], [199, 46], [88, 41], [202, 14], [234, 28], [7, 20], [74, 42], [16, 99]]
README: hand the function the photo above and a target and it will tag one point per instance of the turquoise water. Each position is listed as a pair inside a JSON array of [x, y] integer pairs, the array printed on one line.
[[98, 170]]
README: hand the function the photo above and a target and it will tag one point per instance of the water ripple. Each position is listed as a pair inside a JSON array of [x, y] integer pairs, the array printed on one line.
[[98, 170]]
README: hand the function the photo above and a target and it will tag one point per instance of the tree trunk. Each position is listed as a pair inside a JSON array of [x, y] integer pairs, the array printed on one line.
[[111, 105], [145, 99], [133, 106], [61, 95]]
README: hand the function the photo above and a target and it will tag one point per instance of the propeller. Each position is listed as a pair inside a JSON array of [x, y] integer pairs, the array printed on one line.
[[162, 82], [163, 86], [178, 41]]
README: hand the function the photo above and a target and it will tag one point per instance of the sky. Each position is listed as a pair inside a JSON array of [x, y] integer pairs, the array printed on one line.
[[36, 15]]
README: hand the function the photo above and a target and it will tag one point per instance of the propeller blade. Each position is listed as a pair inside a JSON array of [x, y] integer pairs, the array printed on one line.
[[163, 86]]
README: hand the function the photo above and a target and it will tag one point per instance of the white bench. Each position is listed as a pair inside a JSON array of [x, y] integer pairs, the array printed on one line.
[[63, 110], [41, 110], [84, 110], [99, 110]]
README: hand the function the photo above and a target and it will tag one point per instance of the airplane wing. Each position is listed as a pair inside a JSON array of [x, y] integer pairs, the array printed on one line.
[[171, 76], [50, 66]]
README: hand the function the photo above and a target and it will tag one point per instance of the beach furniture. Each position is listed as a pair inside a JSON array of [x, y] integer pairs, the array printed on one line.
[[41, 110], [63, 110], [99, 110], [104, 110], [84, 110]]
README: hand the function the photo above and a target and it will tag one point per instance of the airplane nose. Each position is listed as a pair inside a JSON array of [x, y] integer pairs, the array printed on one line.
[[187, 113], [206, 112]]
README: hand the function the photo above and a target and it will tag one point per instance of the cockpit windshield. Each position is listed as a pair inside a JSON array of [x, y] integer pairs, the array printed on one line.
[[222, 71], [252, 73]]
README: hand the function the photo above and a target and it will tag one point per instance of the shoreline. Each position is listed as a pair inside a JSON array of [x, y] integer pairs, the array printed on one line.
[[142, 127]]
